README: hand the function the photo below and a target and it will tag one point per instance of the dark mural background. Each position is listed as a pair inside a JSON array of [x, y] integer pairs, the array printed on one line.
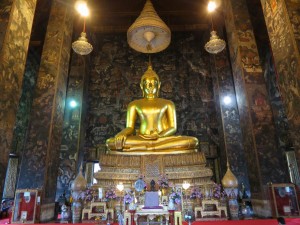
[[14, 41], [5, 8], [40, 162], [281, 20], [115, 77], [24, 109], [265, 160]]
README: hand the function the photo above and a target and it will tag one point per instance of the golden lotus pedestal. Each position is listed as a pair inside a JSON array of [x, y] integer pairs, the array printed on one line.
[[127, 168]]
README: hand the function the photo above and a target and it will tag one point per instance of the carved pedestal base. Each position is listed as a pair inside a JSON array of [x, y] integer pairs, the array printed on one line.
[[127, 168]]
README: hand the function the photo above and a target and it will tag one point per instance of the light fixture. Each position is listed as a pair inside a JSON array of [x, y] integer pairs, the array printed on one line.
[[120, 186], [82, 46], [73, 103], [211, 6], [82, 8], [186, 185], [227, 100], [215, 44], [148, 34]]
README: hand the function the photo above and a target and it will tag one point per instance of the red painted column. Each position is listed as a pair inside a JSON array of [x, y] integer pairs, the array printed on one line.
[[132, 212], [171, 217]]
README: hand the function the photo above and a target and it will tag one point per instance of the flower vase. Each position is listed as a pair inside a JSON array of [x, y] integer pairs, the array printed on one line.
[[171, 205], [132, 206], [178, 207], [110, 204], [233, 209], [76, 211], [126, 207]]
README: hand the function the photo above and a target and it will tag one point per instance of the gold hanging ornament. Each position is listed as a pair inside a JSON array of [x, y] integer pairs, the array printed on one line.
[[148, 34]]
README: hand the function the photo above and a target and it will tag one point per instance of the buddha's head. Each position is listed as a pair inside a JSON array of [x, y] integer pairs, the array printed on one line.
[[150, 83]]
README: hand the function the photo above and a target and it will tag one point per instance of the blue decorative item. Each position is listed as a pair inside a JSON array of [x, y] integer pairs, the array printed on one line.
[[139, 185]]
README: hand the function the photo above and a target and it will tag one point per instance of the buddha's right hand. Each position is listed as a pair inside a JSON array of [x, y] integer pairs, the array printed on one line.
[[149, 136], [119, 141]]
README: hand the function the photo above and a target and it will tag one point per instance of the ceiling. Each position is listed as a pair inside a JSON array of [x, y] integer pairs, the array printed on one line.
[[118, 15], [111, 16]]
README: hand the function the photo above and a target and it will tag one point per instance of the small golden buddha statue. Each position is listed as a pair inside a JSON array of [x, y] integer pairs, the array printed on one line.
[[157, 124]]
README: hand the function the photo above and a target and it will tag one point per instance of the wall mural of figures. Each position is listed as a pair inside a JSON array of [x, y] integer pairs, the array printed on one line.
[[5, 9], [230, 121], [281, 122], [258, 128], [17, 22], [39, 164], [70, 150], [294, 16], [281, 20], [115, 77], [25, 104]]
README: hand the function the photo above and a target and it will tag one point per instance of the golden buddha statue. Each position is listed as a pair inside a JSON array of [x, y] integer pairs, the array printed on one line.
[[157, 124]]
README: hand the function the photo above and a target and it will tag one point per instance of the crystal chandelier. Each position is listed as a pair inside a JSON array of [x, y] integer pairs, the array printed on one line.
[[215, 44], [148, 34], [82, 46]]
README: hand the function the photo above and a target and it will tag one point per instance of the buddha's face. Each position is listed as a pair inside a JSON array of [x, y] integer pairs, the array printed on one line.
[[150, 87]]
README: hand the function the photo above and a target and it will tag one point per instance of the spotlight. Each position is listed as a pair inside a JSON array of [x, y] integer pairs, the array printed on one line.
[[73, 103], [211, 6], [227, 100], [82, 8]]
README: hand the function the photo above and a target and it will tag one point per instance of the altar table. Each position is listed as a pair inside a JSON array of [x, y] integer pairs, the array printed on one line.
[[151, 214]]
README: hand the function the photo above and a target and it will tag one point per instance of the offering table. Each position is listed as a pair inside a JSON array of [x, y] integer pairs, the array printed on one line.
[[152, 214]]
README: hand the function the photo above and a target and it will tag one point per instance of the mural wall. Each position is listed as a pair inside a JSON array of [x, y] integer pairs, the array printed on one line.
[[284, 37], [13, 54], [293, 10], [281, 122], [264, 158], [39, 165], [24, 109], [230, 126], [73, 126], [114, 82]]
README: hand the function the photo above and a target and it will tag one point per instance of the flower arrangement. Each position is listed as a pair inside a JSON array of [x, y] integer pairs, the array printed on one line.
[[89, 195], [175, 196], [163, 181], [128, 198], [78, 195], [110, 194], [196, 193], [216, 191]]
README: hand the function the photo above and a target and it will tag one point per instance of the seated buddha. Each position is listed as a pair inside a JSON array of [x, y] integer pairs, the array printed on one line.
[[157, 123]]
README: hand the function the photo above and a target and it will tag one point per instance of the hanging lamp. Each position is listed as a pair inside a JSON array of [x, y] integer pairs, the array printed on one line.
[[82, 46], [215, 44], [149, 34]]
